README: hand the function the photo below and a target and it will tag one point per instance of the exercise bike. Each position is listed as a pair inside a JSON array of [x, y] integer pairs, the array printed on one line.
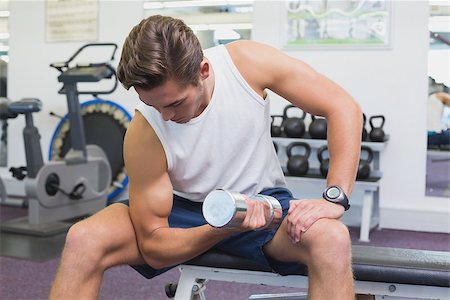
[[60, 191]]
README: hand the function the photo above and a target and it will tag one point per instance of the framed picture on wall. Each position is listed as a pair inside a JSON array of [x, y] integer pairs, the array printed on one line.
[[337, 24], [71, 21]]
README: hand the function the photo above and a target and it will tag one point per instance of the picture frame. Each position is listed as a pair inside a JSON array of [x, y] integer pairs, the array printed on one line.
[[336, 24]]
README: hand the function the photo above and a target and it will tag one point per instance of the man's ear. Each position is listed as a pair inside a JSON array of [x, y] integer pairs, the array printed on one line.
[[205, 69]]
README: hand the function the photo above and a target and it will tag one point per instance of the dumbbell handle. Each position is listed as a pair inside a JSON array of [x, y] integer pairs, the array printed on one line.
[[275, 210], [228, 209]]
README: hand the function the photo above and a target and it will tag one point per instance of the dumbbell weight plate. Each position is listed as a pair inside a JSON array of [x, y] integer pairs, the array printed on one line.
[[224, 208]]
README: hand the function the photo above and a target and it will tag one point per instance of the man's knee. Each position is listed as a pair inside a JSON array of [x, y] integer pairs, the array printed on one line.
[[83, 241], [329, 239]]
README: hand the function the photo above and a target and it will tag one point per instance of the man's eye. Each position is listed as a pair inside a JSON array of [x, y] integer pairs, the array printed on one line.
[[177, 104]]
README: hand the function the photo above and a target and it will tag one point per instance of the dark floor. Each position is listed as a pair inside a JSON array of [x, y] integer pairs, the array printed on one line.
[[26, 279]]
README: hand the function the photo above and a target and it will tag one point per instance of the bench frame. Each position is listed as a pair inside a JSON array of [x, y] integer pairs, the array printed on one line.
[[188, 287]]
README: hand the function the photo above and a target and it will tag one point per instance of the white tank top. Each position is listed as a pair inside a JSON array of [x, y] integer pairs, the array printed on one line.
[[228, 146]]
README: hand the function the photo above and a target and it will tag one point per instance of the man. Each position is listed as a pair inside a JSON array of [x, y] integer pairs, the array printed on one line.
[[204, 124], [438, 133]]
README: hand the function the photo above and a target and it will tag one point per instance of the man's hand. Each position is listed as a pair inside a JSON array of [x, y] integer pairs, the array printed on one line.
[[258, 214], [303, 213]]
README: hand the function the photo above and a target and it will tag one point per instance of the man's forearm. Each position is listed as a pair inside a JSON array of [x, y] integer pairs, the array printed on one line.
[[344, 144], [169, 246]]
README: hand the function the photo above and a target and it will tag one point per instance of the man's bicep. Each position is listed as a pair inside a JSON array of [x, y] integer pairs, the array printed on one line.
[[150, 207], [150, 189]]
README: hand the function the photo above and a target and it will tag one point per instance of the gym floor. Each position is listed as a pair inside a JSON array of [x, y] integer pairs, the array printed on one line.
[[28, 265], [438, 175]]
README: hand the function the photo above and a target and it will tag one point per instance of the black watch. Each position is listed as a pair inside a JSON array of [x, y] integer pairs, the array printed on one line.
[[336, 195]]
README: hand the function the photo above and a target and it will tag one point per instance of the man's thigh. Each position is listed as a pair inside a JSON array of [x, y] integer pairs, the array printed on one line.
[[282, 249]]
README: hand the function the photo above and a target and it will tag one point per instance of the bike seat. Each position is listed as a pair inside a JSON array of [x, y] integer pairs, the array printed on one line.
[[89, 73], [26, 105]]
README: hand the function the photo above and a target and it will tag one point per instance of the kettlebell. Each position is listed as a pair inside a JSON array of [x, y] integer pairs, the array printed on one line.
[[324, 161], [376, 133], [293, 127], [318, 128], [276, 130], [364, 130], [297, 164], [364, 164]]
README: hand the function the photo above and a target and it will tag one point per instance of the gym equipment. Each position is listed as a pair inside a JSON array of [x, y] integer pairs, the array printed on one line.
[[383, 273], [293, 127], [377, 133], [297, 164], [439, 37], [5, 114], [364, 163], [318, 128], [3, 78], [276, 130], [76, 186], [364, 130], [223, 208], [105, 124], [324, 161]]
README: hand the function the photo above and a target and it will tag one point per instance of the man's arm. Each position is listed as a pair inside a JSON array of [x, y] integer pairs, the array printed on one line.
[[265, 67], [151, 202]]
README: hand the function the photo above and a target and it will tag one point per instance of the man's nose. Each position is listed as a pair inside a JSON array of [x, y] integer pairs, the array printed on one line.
[[167, 114]]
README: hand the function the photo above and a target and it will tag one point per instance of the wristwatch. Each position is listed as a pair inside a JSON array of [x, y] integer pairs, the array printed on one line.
[[335, 194]]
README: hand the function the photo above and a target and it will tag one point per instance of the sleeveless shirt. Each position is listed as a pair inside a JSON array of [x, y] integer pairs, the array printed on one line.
[[228, 146]]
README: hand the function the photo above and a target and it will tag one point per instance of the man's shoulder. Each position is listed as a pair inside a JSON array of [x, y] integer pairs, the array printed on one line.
[[244, 47], [257, 62], [139, 131], [141, 144]]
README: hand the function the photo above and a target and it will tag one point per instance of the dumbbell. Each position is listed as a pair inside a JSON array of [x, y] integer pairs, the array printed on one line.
[[228, 209]]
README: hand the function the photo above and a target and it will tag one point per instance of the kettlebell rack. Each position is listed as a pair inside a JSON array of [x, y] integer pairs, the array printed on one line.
[[365, 211]]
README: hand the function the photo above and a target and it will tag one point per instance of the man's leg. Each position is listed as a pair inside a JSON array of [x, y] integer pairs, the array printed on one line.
[[93, 245], [326, 249]]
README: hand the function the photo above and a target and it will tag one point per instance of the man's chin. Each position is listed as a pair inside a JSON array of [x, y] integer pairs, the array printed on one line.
[[182, 121]]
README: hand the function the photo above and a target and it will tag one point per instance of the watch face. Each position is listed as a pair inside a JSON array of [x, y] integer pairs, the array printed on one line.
[[333, 192]]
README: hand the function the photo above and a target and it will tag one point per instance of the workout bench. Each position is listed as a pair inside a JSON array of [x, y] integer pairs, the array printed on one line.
[[383, 273]]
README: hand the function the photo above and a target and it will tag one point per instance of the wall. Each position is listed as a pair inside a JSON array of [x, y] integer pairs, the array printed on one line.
[[392, 82]]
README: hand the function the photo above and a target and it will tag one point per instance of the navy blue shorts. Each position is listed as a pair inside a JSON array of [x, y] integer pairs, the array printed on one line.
[[187, 214]]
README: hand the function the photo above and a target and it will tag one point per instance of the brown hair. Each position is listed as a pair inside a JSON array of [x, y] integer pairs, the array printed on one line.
[[157, 49]]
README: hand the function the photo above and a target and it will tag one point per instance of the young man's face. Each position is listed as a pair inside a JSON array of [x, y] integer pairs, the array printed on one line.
[[174, 102]]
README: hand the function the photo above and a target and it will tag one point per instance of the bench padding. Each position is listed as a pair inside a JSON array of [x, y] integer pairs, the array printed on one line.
[[377, 264]]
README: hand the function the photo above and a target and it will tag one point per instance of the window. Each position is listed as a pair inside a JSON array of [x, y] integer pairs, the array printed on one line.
[[4, 31], [214, 22], [439, 51]]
